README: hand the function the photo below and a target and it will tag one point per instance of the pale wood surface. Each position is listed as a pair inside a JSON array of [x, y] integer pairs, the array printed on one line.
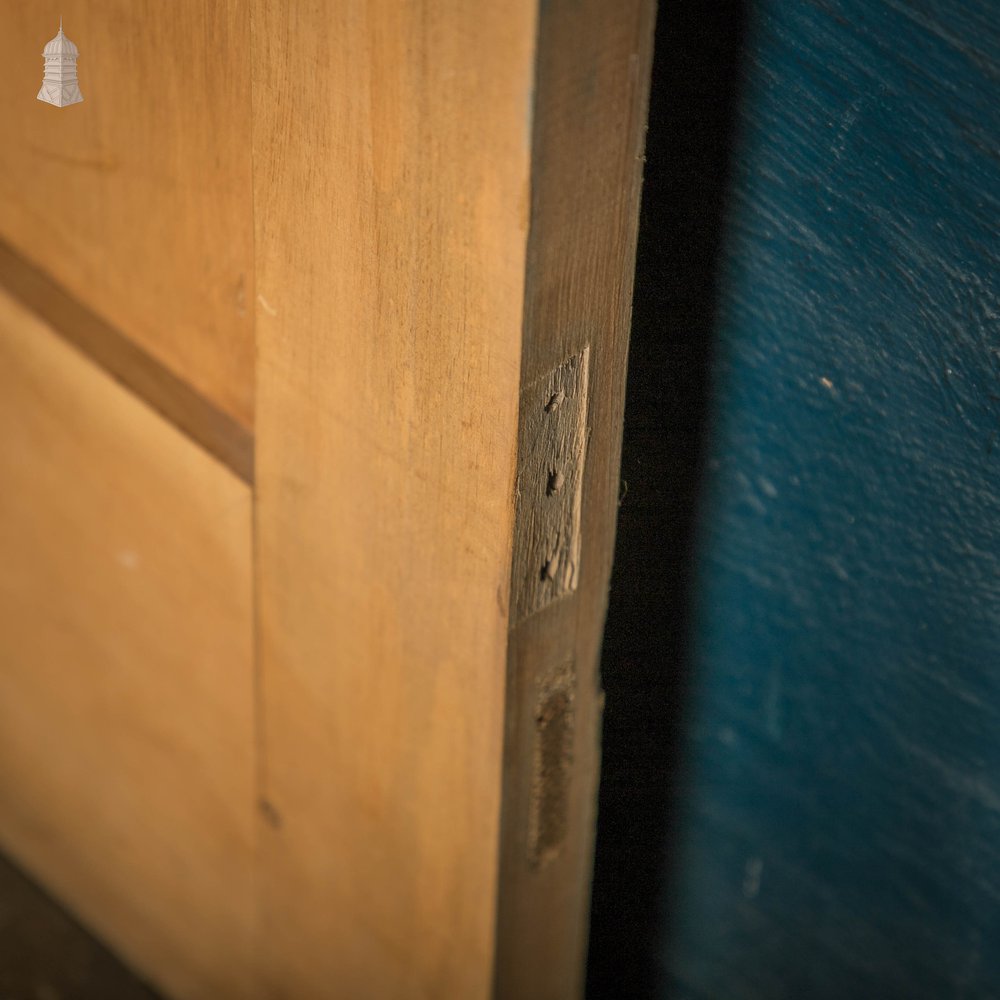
[[138, 200], [126, 688], [391, 195], [121, 357]]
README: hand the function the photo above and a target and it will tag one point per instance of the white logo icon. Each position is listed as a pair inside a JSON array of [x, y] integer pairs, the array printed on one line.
[[60, 86]]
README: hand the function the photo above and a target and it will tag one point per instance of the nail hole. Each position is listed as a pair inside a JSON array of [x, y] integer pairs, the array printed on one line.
[[549, 568], [555, 483], [555, 400]]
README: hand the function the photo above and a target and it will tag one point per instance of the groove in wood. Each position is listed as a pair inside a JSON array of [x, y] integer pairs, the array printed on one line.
[[128, 363]]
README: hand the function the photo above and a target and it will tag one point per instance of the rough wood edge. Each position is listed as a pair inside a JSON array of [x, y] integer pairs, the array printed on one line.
[[173, 398], [593, 69]]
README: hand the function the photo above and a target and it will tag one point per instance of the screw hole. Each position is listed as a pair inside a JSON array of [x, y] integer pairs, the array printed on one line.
[[555, 401], [549, 568]]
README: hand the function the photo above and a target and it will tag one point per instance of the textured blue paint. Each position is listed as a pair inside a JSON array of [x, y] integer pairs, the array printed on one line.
[[841, 825]]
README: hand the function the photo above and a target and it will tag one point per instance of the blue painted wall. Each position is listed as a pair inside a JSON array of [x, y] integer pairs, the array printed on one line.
[[834, 827], [842, 823]]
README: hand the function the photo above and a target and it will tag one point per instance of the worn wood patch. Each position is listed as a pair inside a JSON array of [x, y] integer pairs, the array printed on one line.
[[552, 446], [548, 819]]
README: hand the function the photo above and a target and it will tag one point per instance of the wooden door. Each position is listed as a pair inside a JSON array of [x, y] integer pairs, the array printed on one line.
[[313, 321]]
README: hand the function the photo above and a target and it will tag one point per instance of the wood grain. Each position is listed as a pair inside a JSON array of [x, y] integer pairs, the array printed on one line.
[[138, 200], [391, 214], [121, 357], [126, 694], [592, 81]]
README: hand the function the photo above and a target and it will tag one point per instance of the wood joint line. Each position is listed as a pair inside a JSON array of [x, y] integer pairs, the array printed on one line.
[[174, 399]]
